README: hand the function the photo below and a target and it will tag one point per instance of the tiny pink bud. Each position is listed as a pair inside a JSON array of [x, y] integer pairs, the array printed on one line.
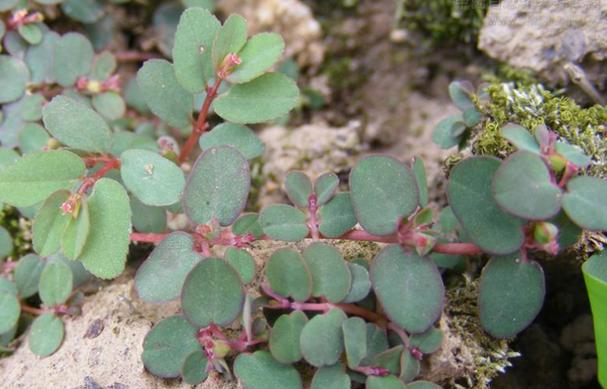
[[67, 207], [416, 353]]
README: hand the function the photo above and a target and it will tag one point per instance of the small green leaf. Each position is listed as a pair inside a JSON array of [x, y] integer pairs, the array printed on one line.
[[147, 218], [8, 286], [258, 55], [76, 125], [511, 295], [104, 253], [46, 335], [152, 178], [240, 137], [333, 377], [284, 337], [299, 188], [331, 276], [33, 137], [68, 48], [167, 345], [472, 117], [325, 187], [104, 65], [584, 202], [388, 359], [409, 288], [212, 294], [248, 223], [355, 340], [471, 199], [448, 131], [40, 59], [523, 187], [192, 49], [265, 98], [520, 137], [377, 339], [573, 154], [14, 76], [260, 371], [427, 342], [161, 276], [337, 216], [27, 275], [387, 382], [218, 186], [361, 284], [321, 339], [84, 11], [283, 222], [163, 94], [194, 368], [383, 192], [460, 92], [31, 32], [76, 232], [35, 176], [242, 262], [230, 38], [10, 309], [110, 105], [288, 275], [409, 367], [56, 281], [49, 224], [419, 170]]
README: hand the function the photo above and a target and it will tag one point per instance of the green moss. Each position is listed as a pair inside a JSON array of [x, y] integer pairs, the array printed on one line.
[[533, 105]]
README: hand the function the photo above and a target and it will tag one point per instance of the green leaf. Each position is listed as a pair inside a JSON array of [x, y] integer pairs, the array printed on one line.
[[387, 382], [569, 232], [85, 11], [8, 286], [212, 294], [337, 217], [260, 371], [472, 117], [409, 367], [448, 131], [284, 337], [7, 157], [361, 284], [265, 98], [248, 223], [377, 340], [596, 267], [231, 37], [409, 288], [388, 359], [6, 243], [110, 105], [331, 276], [240, 137], [31, 32], [46, 335], [218, 186], [383, 192], [27, 275], [584, 202], [148, 219], [192, 49], [283, 222], [299, 188], [152, 178], [49, 224], [10, 309], [40, 59], [161, 276], [206, 4], [167, 345], [76, 125], [321, 339], [520, 137], [423, 385], [163, 94], [355, 340], [288, 275], [427, 342], [573, 154], [56, 281], [104, 253], [333, 377], [460, 92], [472, 202], [35, 176], [73, 58], [523, 187], [511, 295], [419, 170], [104, 65], [76, 232], [325, 187], [6, 5], [194, 368], [14, 76], [242, 262], [33, 137], [257, 56]]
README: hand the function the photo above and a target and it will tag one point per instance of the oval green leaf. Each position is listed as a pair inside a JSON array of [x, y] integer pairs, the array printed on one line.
[[49, 224], [258, 55], [56, 282], [242, 262], [194, 368], [322, 340], [27, 275], [46, 335], [584, 202], [76, 232], [337, 216], [325, 186], [284, 337], [332, 377], [240, 137], [73, 57], [331, 276], [520, 137], [283, 222], [299, 188], [288, 275], [10, 309], [261, 371], [230, 38], [14, 76]]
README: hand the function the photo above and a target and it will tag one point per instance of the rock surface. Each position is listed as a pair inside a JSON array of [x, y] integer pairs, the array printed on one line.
[[545, 35]]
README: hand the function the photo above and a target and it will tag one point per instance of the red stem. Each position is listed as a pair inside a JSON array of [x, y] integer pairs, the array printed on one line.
[[201, 122], [91, 180], [147, 237], [32, 310]]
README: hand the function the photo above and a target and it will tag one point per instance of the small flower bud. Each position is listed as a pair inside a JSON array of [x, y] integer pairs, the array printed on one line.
[[545, 232], [558, 162]]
